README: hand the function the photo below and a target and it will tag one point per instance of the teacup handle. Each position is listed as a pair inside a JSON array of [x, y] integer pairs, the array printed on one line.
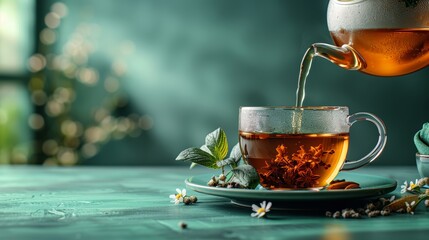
[[382, 138]]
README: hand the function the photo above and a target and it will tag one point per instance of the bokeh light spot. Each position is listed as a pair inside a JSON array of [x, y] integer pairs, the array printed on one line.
[[60, 9], [36, 121], [36, 62], [50, 147], [47, 36], [38, 97], [52, 20]]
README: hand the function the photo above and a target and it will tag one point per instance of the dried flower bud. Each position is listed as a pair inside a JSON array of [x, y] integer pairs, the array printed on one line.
[[371, 206], [222, 177], [374, 213], [378, 204], [346, 214], [328, 214], [427, 192], [361, 211], [421, 182], [355, 215], [427, 203], [212, 183], [337, 214], [385, 212], [187, 200], [193, 199]]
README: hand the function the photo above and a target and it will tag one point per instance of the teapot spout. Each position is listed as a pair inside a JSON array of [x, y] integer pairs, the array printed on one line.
[[344, 56]]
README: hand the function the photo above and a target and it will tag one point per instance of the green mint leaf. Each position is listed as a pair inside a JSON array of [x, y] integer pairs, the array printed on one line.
[[245, 175], [205, 149], [233, 159], [236, 152], [217, 143], [225, 162], [197, 156]]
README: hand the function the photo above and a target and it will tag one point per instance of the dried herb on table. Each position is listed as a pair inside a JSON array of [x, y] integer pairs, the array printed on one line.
[[371, 209], [416, 192]]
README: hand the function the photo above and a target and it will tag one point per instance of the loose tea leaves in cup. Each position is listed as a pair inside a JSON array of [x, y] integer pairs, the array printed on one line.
[[301, 160]]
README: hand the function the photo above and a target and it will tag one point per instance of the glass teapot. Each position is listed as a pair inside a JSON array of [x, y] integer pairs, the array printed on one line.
[[377, 37]]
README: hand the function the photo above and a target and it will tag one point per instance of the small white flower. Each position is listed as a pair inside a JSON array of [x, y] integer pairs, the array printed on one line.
[[410, 207], [178, 197], [261, 211], [404, 187], [413, 185]]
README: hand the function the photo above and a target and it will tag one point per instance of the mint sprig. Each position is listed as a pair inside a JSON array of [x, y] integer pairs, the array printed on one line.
[[213, 154]]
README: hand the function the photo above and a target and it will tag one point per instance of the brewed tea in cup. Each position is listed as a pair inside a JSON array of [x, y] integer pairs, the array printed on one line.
[[301, 147]]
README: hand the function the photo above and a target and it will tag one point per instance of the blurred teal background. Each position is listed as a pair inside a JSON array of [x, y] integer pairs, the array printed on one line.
[[186, 66]]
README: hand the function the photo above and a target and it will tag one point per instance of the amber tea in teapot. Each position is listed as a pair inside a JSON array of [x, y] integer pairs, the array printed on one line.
[[377, 37], [388, 52]]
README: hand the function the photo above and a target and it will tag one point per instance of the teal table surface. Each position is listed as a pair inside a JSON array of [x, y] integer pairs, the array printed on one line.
[[133, 203]]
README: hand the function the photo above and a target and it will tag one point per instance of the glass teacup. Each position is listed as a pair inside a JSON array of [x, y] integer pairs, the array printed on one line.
[[301, 148]]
